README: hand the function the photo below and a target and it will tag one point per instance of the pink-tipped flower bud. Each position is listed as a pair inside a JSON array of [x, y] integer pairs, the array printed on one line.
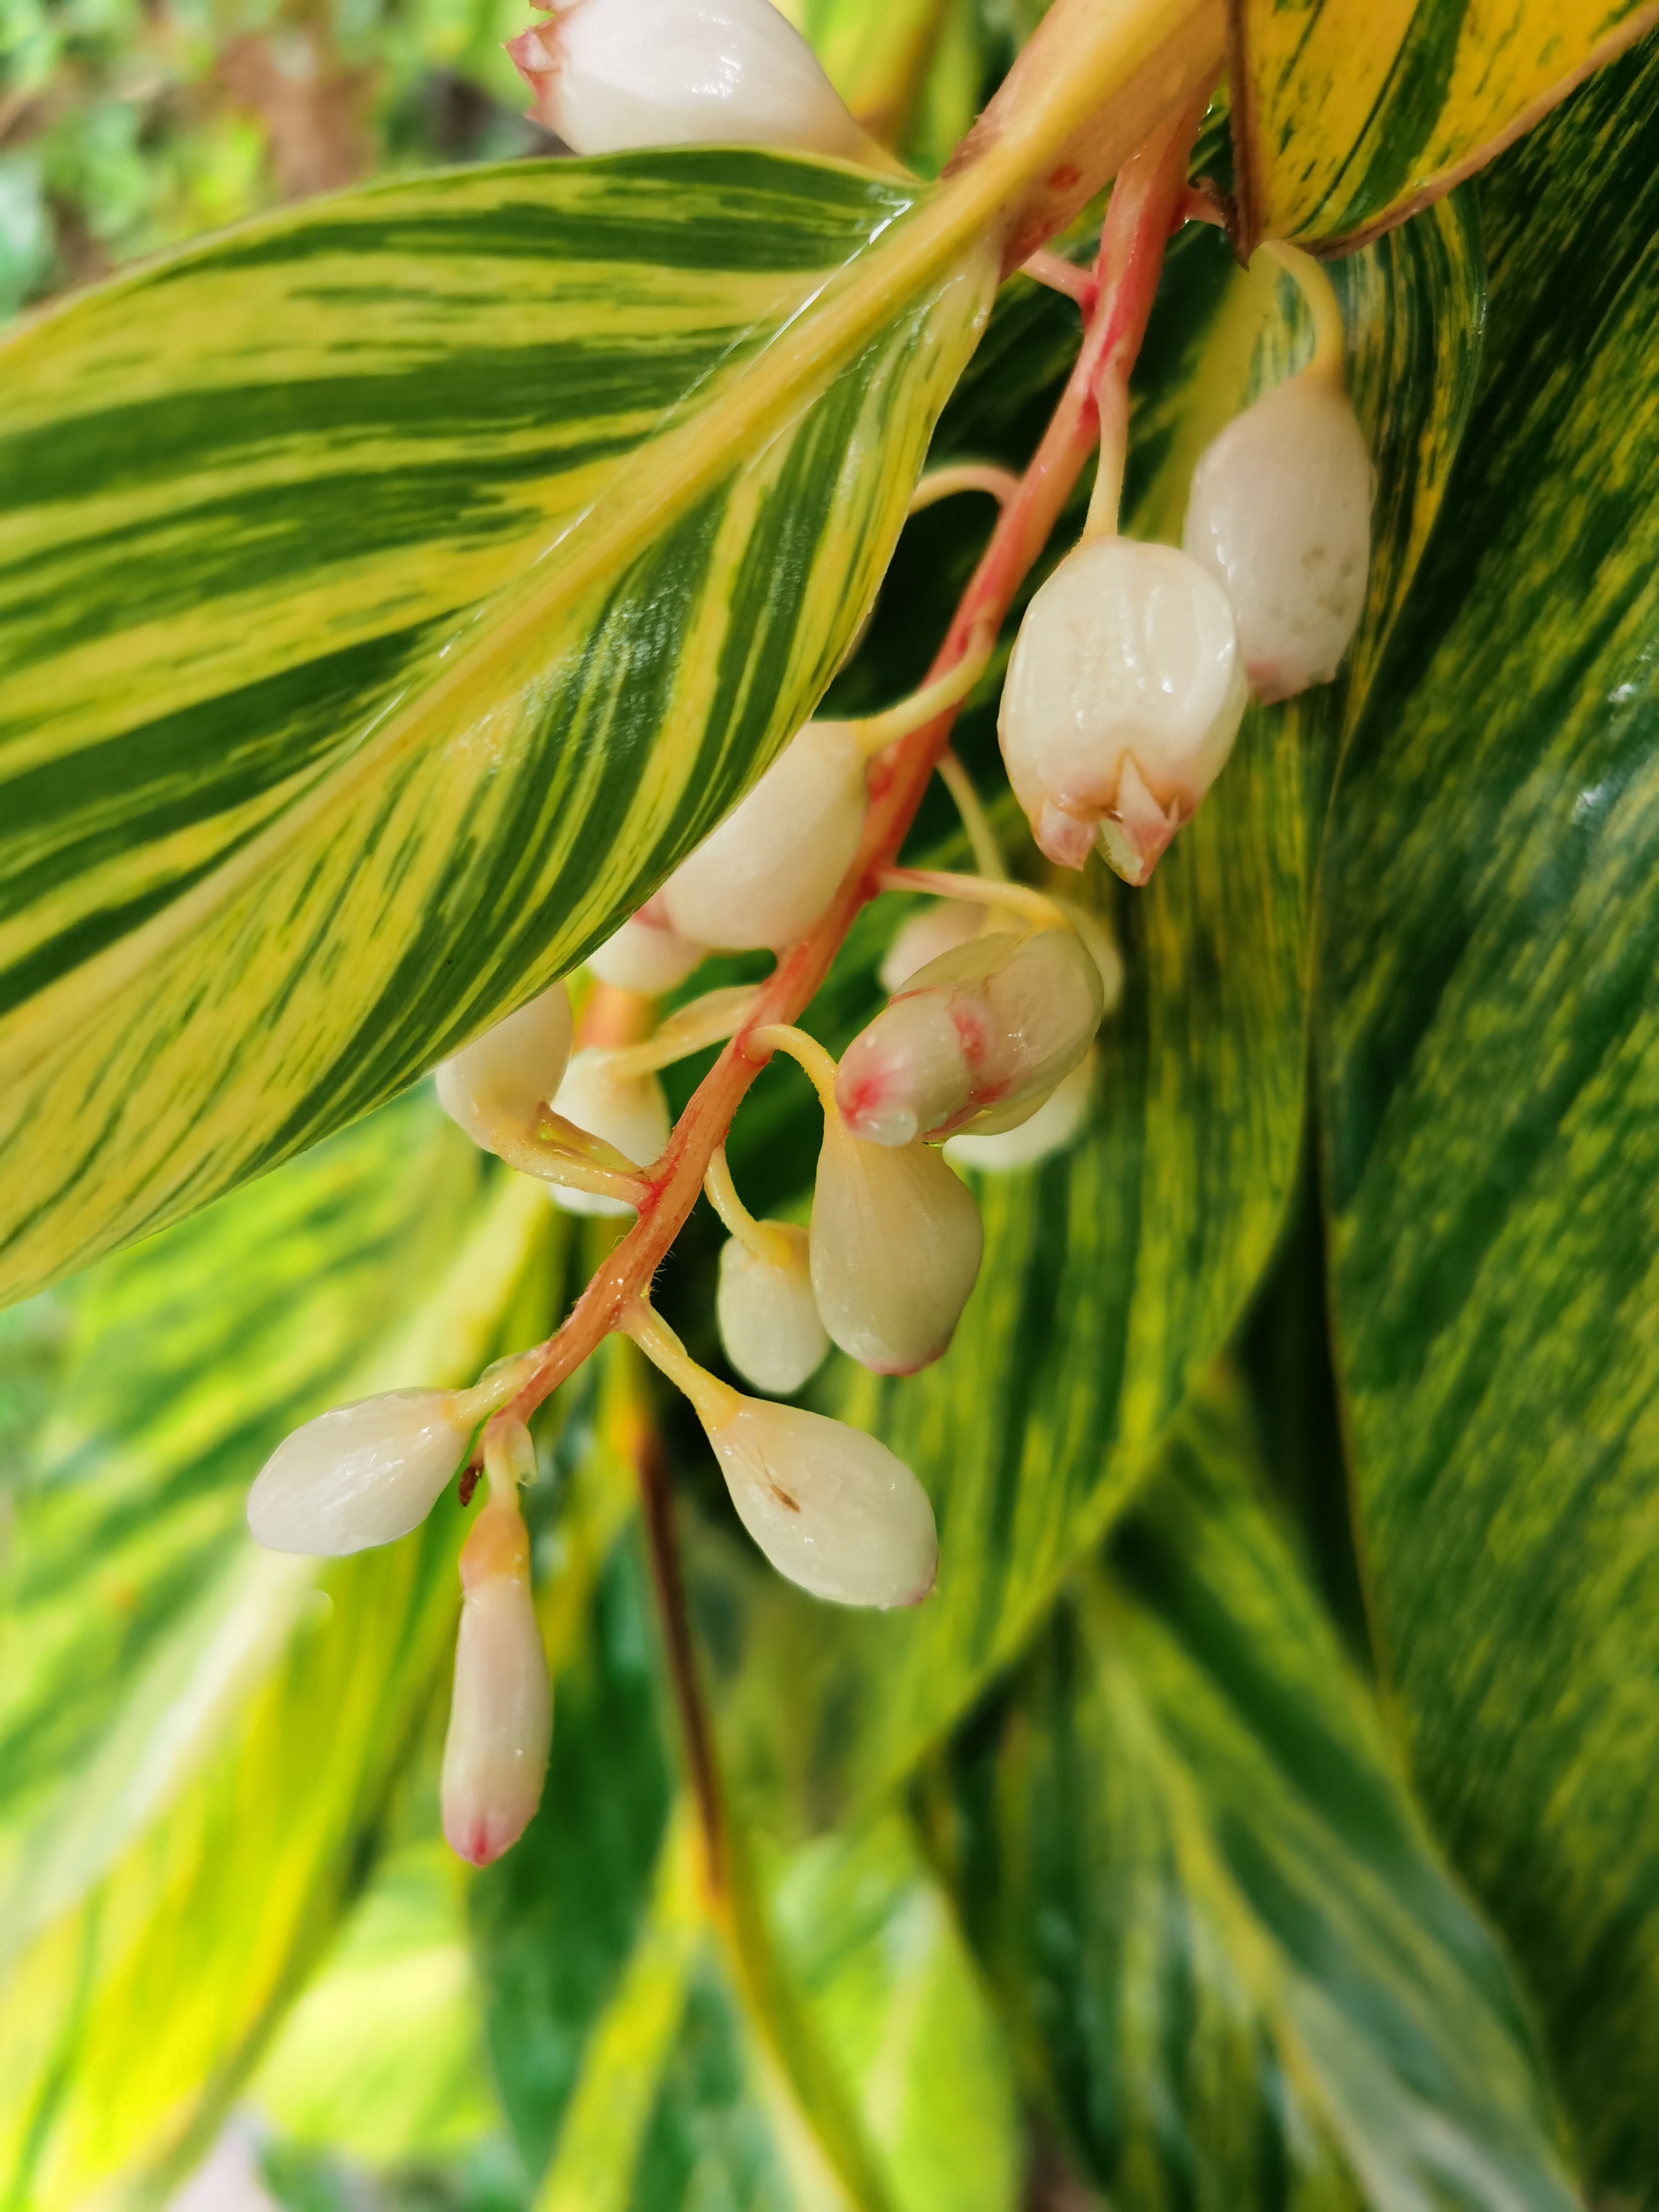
[[644, 954], [766, 874], [832, 1509], [979, 1036], [1124, 695], [627, 1109], [938, 928], [895, 1248], [1280, 514], [1057, 1123], [501, 1718], [609, 75], [500, 1082], [362, 1474], [769, 1318]]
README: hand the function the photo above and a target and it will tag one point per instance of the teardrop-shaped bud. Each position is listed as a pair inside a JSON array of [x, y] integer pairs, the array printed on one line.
[[609, 75], [628, 1110], [831, 1508], [940, 926], [644, 954], [361, 1474], [980, 1035], [766, 874], [1124, 694], [1280, 514], [769, 1318], [501, 1716], [1056, 1123], [895, 1247], [502, 1079]]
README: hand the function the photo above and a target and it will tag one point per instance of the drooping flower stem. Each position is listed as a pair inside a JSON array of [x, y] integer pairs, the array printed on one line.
[[1132, 248]]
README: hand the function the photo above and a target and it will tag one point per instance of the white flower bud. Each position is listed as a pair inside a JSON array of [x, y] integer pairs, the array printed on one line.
[[938, 928], [501, 1718], [1280, 514], [501, 1080], [1123, 698], [979, 1036], [766, 874], [364, 1473], [1055, 1124], [645, 955], [768, 1319], [832, 1509], [609, 75], [628, 1110], [895, 1247]]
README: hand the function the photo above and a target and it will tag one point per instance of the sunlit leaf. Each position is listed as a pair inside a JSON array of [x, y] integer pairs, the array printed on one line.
[[200, 1737], [1492, 1064], [391, 592], [1237, 1973], [1352, 114]]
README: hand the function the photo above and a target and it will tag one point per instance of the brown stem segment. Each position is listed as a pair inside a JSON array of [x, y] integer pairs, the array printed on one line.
[[657, 1505], [1132, 248]]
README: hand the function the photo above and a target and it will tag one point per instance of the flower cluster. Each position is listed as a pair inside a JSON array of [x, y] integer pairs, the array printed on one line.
[[1123, 696]]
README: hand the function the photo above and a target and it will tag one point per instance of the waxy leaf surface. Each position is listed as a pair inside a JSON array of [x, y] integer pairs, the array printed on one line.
[[1491, 1062], [1216, 1926], [1352, 114], [390, 593]]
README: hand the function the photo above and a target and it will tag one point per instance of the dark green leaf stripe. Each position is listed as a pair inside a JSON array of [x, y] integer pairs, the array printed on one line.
[[1360, 110], [197, 1739], [1213, 1920], [1491, 1057], [388, 595], [1112, 1274]]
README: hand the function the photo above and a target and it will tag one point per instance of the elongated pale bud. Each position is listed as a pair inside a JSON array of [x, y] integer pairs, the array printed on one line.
[[769, 1318], [1056, 1123], [980, 1036], [766, 874], [644, 954], [940, 926], [831, 1508], [1123, 698], [1280, 514], [609, 75], [628, 1110], [500, 1082], [361, 1474], [501, 1718], [895, 1247]]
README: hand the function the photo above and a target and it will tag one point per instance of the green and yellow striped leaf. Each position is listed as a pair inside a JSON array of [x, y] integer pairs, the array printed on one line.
[[1350, 115], [1491, 1062], [1114, 1273], [390, 593], [197, 1739], [1237, 1972], [913, 71]]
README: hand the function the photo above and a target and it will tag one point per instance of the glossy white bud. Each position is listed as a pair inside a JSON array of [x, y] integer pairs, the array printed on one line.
[[609, 75], [1124, 694], [1280, 514], [628, 1110], [763, 877], [1056, 1123], [645, 955], [979, 1035], [501, 1715], [501, 1080], [894, 1246], [769, 1318], [361, 1474], [938, 928], [832, 1509]]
